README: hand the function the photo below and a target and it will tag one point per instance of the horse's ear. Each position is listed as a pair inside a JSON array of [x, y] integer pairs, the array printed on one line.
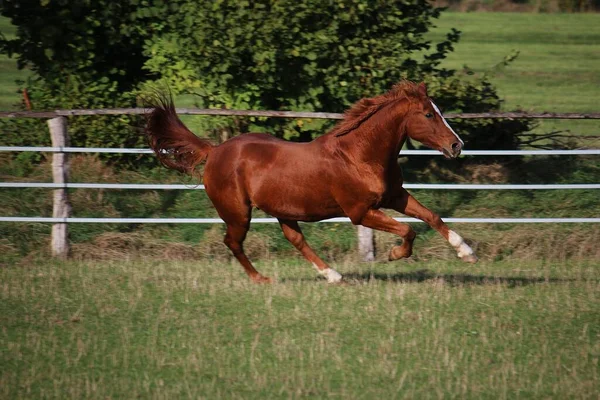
[[423, 89]]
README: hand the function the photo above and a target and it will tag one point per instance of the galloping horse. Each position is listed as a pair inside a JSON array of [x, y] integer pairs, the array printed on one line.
[[351, 171]]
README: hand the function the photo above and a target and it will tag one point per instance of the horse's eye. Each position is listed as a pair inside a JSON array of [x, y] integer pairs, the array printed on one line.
[[429, 115]]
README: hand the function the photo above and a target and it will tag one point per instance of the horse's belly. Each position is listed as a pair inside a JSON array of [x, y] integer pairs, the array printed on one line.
[[297, 206]]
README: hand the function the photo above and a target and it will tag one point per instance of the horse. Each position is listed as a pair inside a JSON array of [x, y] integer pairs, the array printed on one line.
[[351, 171]]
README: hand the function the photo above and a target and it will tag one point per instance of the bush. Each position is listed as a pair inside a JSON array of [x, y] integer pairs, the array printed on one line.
[[85, 54], [313, 56]]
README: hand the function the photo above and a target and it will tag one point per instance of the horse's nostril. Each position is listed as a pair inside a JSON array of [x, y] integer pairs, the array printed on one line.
[[456, 147]]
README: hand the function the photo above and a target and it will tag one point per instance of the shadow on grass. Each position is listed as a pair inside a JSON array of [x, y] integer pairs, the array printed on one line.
[[452, 279]]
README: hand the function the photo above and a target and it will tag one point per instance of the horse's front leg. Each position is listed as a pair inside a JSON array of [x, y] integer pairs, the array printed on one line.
[[376, 219], [408, 205]]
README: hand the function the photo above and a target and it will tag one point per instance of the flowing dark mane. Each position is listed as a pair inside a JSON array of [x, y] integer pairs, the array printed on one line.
[[366, 108]]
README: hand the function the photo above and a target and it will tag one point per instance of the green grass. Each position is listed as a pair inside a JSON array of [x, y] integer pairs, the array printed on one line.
[[556, 70], [190, 330], [524, 325]]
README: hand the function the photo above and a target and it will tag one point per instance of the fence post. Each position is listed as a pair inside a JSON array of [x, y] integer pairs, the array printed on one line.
[[366, 241], [60, 174]]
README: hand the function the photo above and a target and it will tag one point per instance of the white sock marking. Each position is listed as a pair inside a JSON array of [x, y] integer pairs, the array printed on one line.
[[462, 249], [437, 110], [331, 274]]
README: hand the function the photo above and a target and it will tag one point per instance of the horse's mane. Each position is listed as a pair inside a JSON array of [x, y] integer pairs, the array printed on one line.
[[366, 108]]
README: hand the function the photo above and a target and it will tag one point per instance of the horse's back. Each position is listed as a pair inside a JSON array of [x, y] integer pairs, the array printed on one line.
[[257, 150]]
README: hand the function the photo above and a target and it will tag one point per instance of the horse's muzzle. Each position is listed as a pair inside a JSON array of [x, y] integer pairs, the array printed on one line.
[[453, 151]]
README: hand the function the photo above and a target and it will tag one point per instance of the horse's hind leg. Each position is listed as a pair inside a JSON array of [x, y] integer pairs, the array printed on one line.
[[236, 215], [292, 232], [234, 239]]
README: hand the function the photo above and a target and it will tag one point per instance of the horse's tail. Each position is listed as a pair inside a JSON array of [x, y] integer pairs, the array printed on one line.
[[174, 144]]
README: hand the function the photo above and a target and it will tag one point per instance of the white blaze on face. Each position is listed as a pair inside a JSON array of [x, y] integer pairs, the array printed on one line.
[[462, 249], [437, 110]]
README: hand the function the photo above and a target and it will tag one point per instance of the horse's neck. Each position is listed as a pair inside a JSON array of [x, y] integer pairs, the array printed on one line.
[[377, 141]]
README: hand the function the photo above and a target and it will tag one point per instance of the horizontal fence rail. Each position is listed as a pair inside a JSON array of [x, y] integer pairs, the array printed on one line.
[[62, 217], [116, 150], [279, 114], [430, 186], [274, 220]]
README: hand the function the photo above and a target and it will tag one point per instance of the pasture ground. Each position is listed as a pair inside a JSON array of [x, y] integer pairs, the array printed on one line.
[[507, 327], [556, 69], [177, 329], [557, 66]]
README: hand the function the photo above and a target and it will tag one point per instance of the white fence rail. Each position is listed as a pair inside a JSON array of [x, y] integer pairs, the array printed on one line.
[[425, 186], [576, 152], [61, 214]]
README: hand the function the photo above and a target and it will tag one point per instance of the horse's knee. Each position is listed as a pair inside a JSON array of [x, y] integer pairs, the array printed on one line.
[[398, 252], [356, 219]]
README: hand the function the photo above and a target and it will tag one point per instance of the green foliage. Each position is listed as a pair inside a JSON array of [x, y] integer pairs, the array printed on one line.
[[92, 39], [578, 5], [85, 54], [310, 56], [291, 55]]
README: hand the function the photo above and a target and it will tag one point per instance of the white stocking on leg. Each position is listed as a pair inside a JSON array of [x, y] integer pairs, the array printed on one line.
[[463, 250]]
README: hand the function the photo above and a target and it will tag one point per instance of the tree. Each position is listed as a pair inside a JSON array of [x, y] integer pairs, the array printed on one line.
[[306, 55], [84, 54], [101, 40], [309, 55]]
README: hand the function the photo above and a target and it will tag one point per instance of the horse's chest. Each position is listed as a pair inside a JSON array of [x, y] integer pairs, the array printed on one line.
[[380, 183], [375, 182]]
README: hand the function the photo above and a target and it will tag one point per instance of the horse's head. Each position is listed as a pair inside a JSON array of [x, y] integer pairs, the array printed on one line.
[[425, 124]]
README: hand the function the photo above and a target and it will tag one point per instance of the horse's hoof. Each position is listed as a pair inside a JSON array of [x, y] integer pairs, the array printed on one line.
[[332, 275], [470, 258], [399, 252], [261, 279]]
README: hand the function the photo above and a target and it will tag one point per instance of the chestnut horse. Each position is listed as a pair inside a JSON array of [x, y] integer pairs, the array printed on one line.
[[351, 171]]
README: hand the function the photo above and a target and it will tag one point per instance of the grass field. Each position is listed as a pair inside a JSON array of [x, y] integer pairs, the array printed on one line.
[[556, 70], [557, 67], [522, 323], [189, 330]]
